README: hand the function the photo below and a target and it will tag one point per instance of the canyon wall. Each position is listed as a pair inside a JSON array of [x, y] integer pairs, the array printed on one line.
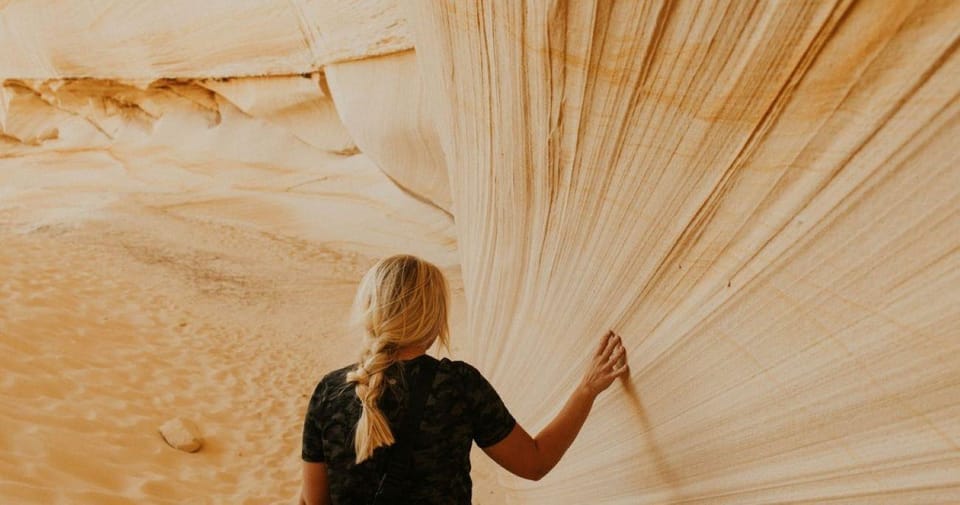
[[387, 109], [270, 59], [763, 198]]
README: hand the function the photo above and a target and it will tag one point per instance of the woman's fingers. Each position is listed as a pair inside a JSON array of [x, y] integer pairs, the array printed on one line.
[[603, 343], [619, 370], [617, 360], [612, 344], [618, 351], [610, 362], [610, 357]]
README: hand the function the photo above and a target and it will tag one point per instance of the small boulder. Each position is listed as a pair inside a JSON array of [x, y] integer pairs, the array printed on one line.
[[181, 434]]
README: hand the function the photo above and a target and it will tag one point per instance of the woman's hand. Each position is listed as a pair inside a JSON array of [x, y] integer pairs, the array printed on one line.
[[532, 458], [609, 362]]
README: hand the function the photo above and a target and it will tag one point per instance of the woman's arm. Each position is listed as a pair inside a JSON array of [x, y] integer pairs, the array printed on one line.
[[532, 458], [315, 489]]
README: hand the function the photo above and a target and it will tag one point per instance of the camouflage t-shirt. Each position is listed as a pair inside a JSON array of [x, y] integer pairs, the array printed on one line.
[[462, 408]]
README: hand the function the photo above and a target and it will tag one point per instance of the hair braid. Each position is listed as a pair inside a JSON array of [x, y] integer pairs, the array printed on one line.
[[373, 430]]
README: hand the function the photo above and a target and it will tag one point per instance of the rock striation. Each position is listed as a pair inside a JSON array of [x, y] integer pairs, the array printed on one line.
[[761, 197]]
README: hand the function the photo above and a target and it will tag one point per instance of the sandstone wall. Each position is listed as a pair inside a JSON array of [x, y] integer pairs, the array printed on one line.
[[762, 197], [184, 39], [387, 108]]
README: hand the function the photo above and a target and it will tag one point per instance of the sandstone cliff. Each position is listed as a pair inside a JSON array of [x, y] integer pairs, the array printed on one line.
[[762, 197]]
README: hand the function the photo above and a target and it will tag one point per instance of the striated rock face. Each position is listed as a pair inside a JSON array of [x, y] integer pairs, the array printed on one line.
[[760, 196]]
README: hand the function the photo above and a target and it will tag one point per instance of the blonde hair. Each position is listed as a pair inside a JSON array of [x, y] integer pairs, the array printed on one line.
[[401, 302]]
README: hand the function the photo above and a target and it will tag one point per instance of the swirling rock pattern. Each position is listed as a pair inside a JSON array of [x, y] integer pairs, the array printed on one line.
[[762, 197]]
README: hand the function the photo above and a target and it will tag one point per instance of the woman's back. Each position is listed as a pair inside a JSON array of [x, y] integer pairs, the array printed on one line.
[[462, 407]]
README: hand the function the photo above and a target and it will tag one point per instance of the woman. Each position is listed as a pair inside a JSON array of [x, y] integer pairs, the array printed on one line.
[[355, 411]]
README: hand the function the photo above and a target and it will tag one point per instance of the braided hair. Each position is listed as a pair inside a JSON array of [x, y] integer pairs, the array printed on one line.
[[401, 302]]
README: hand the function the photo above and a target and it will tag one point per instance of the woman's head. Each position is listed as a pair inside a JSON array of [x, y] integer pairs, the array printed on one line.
[[401, 303]]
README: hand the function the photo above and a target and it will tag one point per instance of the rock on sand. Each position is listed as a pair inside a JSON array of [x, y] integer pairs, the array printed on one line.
[[182, 434]]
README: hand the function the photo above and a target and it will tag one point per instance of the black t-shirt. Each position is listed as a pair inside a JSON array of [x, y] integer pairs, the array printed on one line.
[[462, 408]]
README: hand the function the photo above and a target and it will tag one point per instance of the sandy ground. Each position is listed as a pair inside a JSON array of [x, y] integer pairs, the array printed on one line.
[[126, 299]]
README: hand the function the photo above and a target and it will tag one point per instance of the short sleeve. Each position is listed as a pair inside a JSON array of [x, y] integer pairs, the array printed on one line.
[[491, 420], [312, 451]]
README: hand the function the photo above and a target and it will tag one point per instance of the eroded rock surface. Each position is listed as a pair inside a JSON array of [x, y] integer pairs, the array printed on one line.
[[760, 197], [385, 105], [182, 39]]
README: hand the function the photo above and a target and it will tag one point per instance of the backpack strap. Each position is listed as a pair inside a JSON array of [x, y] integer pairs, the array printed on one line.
[[400, 457]]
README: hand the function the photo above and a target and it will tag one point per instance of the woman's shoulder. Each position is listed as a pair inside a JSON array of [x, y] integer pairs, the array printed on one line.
[[332, 382], [337, 376], [457, 368], [462, 370]]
